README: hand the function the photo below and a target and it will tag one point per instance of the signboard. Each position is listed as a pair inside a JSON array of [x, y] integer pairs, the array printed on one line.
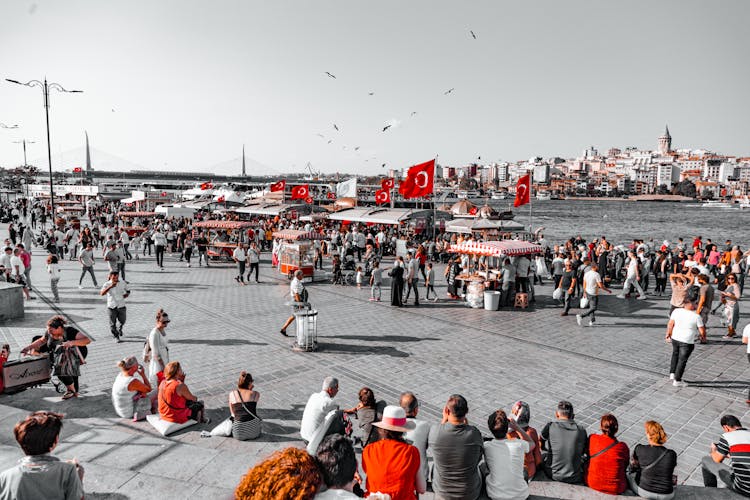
[[63, 189]]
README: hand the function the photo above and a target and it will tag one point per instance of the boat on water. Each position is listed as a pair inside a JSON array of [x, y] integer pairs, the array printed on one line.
[[464, 194], [543, 196], [499, 195], [717, 204], [744, 202]]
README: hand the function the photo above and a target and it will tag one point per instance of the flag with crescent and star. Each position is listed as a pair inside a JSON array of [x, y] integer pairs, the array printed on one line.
[[382, 196], [278, 186], [523, 191], [300, 192], [419, 180], [387, 183]]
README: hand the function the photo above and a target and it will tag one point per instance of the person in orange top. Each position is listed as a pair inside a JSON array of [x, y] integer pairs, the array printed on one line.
[[176, 402], [391, 464], [521, 413], [608, 459]]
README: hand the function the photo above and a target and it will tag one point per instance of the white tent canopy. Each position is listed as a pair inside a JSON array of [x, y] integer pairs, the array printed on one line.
[[268, 208], [468, 226], [373, 215]]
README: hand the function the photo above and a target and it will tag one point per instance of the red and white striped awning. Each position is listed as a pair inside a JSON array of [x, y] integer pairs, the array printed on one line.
[[296, 234], [222, 224], [507, 248]]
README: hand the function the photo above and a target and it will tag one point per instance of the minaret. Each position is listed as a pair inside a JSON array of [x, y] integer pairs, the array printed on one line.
[[88, 154], [243, 161], [665, 141]]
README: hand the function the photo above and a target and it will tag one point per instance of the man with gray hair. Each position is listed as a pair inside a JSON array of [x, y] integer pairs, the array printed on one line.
[[418, 435], [564, 446], [317, 408]]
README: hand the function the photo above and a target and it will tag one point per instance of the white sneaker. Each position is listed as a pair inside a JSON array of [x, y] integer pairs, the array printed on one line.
[[579, 320], [671, 376], [641, 297], [80, 287], [680, 383], [591, 323], [621, 296]]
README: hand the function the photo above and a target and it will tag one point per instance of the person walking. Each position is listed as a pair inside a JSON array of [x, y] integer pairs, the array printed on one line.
[[53, 269], [731, 296], [298, 295], [684, 327], [187, 248], [157, 348], [116, 291], [253, 258], [592, 283], [240, 258], [202, 243], [376, 280], [160, 244], [397, 283], [86, 258], [632, 278]]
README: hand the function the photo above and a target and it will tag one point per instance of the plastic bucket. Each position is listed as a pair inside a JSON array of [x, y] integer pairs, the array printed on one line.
[[492, 300]]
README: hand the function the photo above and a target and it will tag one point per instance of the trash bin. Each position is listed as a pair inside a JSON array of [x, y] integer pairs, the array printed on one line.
[[492, 300], [306, 321]]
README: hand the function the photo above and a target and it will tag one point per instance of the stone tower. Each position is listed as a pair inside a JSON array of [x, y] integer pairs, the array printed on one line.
[[665, 142]]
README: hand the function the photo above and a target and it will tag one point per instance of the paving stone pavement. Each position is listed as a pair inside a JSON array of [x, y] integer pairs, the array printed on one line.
[[493, 358]]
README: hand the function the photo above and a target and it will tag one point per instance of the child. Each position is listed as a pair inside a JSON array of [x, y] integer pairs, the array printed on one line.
[[359, 276], [376, 279], [430, 282], [54, 275], [135, 245], [4, 353]]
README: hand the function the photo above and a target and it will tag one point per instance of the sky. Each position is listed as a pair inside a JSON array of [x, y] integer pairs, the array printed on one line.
[[182, 85]]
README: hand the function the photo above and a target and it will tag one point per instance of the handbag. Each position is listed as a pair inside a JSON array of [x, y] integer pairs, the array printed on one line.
[[584, 302], [557, 294], [250, 429], [67, 361]]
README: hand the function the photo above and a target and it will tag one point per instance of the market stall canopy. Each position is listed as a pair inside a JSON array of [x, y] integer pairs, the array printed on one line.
[[373, 215], [462, 207], [175, 210], [222, 224], [227, 196], [137, 214], [468, 226], [507, 248], [269, 208], [297, 234]]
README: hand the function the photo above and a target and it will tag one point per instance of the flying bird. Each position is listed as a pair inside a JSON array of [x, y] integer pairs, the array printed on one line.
[[479, 157], [332, 76], [413, 113], [113, 110], [383, 165], [448, 91], [330, 141], [334, 126], [473, 35], [321, 136], [371, 93], [356, 148], [386, 128]]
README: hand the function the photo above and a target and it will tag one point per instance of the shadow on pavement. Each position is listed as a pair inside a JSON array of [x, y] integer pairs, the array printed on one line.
[[383, 338], [215, 342], [106, 496], [362, 349], [33, 319], [293, 414]]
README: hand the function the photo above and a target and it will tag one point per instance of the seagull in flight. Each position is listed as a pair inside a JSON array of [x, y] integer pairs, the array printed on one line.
[[330, 141], [334, 126], [448, 91], [473, 35], [383, 165], [332, 76], [386, 128], [356, 148], [413, 113], [321, 136], [371, 93]]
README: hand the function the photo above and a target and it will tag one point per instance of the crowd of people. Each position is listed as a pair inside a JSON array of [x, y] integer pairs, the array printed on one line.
[[395, 443]]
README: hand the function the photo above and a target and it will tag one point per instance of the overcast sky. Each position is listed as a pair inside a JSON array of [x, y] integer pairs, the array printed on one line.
[[181, 85]]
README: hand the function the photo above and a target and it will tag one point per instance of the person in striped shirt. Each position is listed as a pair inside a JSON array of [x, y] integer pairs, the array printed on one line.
[[734, 443]]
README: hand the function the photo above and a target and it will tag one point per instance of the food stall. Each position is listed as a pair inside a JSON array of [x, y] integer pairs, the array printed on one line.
[[223, 236], [131, 221], [296, 251], [484, 276]]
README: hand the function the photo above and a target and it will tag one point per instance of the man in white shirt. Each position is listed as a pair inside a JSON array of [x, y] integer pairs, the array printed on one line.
[[505, 457], [116, 291], [417, 436], [318, 406], [633, 278], [253, 258], [592, 283], [240, 257], [411, 276], [17, 270], [685, 326], [5, 259], [297, 294]]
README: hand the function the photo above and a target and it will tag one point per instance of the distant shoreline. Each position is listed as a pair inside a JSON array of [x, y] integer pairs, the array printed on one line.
[[670, 198]]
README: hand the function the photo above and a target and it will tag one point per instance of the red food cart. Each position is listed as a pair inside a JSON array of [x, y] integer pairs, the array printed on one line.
[[297, 252], [223, 236], [127, 219]]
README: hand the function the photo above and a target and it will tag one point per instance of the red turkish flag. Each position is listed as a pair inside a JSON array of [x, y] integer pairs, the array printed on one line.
[[163, 194], [473, 211], [308, 199], [331, 195], [382, 196], [221, 199], [300, 192], [206, 185], [77, 170], [278, 186], [387, 183], [419, 180], [523, 191]]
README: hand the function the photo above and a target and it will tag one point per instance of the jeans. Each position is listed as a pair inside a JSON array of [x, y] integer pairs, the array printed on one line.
[[188, 254], [90, 270], [375, 293], [241, 271], [506, 296], [202, 257], [630, 280], [121, 269], [126, 247], [160, 255], [412, 285], [253, 266], [116, 314], [645, 493], [568, 300], [593, 304], [716, 470], [53, 285], [522, 285], [681, 351], [430, 288]]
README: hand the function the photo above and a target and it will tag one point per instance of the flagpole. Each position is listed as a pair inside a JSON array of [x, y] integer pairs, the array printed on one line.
[[434, 205], [531, 215]]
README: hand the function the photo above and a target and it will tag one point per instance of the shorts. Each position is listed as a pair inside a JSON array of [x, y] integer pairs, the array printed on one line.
[[195, 408], [19, 280]]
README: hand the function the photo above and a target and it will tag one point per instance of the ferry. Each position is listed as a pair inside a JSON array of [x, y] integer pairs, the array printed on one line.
[[716, 204], [744, 202], [499, 195], [543, 196], [464, 194]]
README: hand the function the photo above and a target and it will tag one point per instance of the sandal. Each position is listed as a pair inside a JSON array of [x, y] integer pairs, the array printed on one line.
[[69, 395]]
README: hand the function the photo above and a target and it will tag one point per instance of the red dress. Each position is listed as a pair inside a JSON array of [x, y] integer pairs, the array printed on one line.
[[3, 359], [606, 472], [172, 406], [391, 467]]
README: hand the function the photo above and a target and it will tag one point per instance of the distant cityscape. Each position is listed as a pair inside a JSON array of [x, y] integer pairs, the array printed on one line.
[[693, 173]]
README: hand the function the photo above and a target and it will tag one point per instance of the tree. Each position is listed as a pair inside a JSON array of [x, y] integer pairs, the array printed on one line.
[[685, 188], [707, 194], [663, 189]]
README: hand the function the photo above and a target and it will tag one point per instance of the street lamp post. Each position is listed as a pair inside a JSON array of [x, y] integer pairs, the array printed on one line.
[[24, 142], [45, 92]]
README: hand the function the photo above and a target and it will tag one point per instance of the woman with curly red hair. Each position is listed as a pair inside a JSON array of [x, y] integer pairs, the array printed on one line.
[[290, 474]]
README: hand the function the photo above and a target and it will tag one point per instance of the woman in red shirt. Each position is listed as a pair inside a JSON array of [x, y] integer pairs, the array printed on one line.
[[4, 353], [176, 402], [608, 459], [391, 464]]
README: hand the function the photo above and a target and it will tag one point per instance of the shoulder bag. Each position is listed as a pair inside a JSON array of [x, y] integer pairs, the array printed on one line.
[[67, 361], [251, 429]]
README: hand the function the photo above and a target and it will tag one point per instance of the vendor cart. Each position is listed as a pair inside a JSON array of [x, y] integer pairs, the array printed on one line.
[[297, 252], [223, 236], [132, 221]]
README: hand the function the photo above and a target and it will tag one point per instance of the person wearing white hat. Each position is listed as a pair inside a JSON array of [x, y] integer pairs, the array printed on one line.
[[391, 464]]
